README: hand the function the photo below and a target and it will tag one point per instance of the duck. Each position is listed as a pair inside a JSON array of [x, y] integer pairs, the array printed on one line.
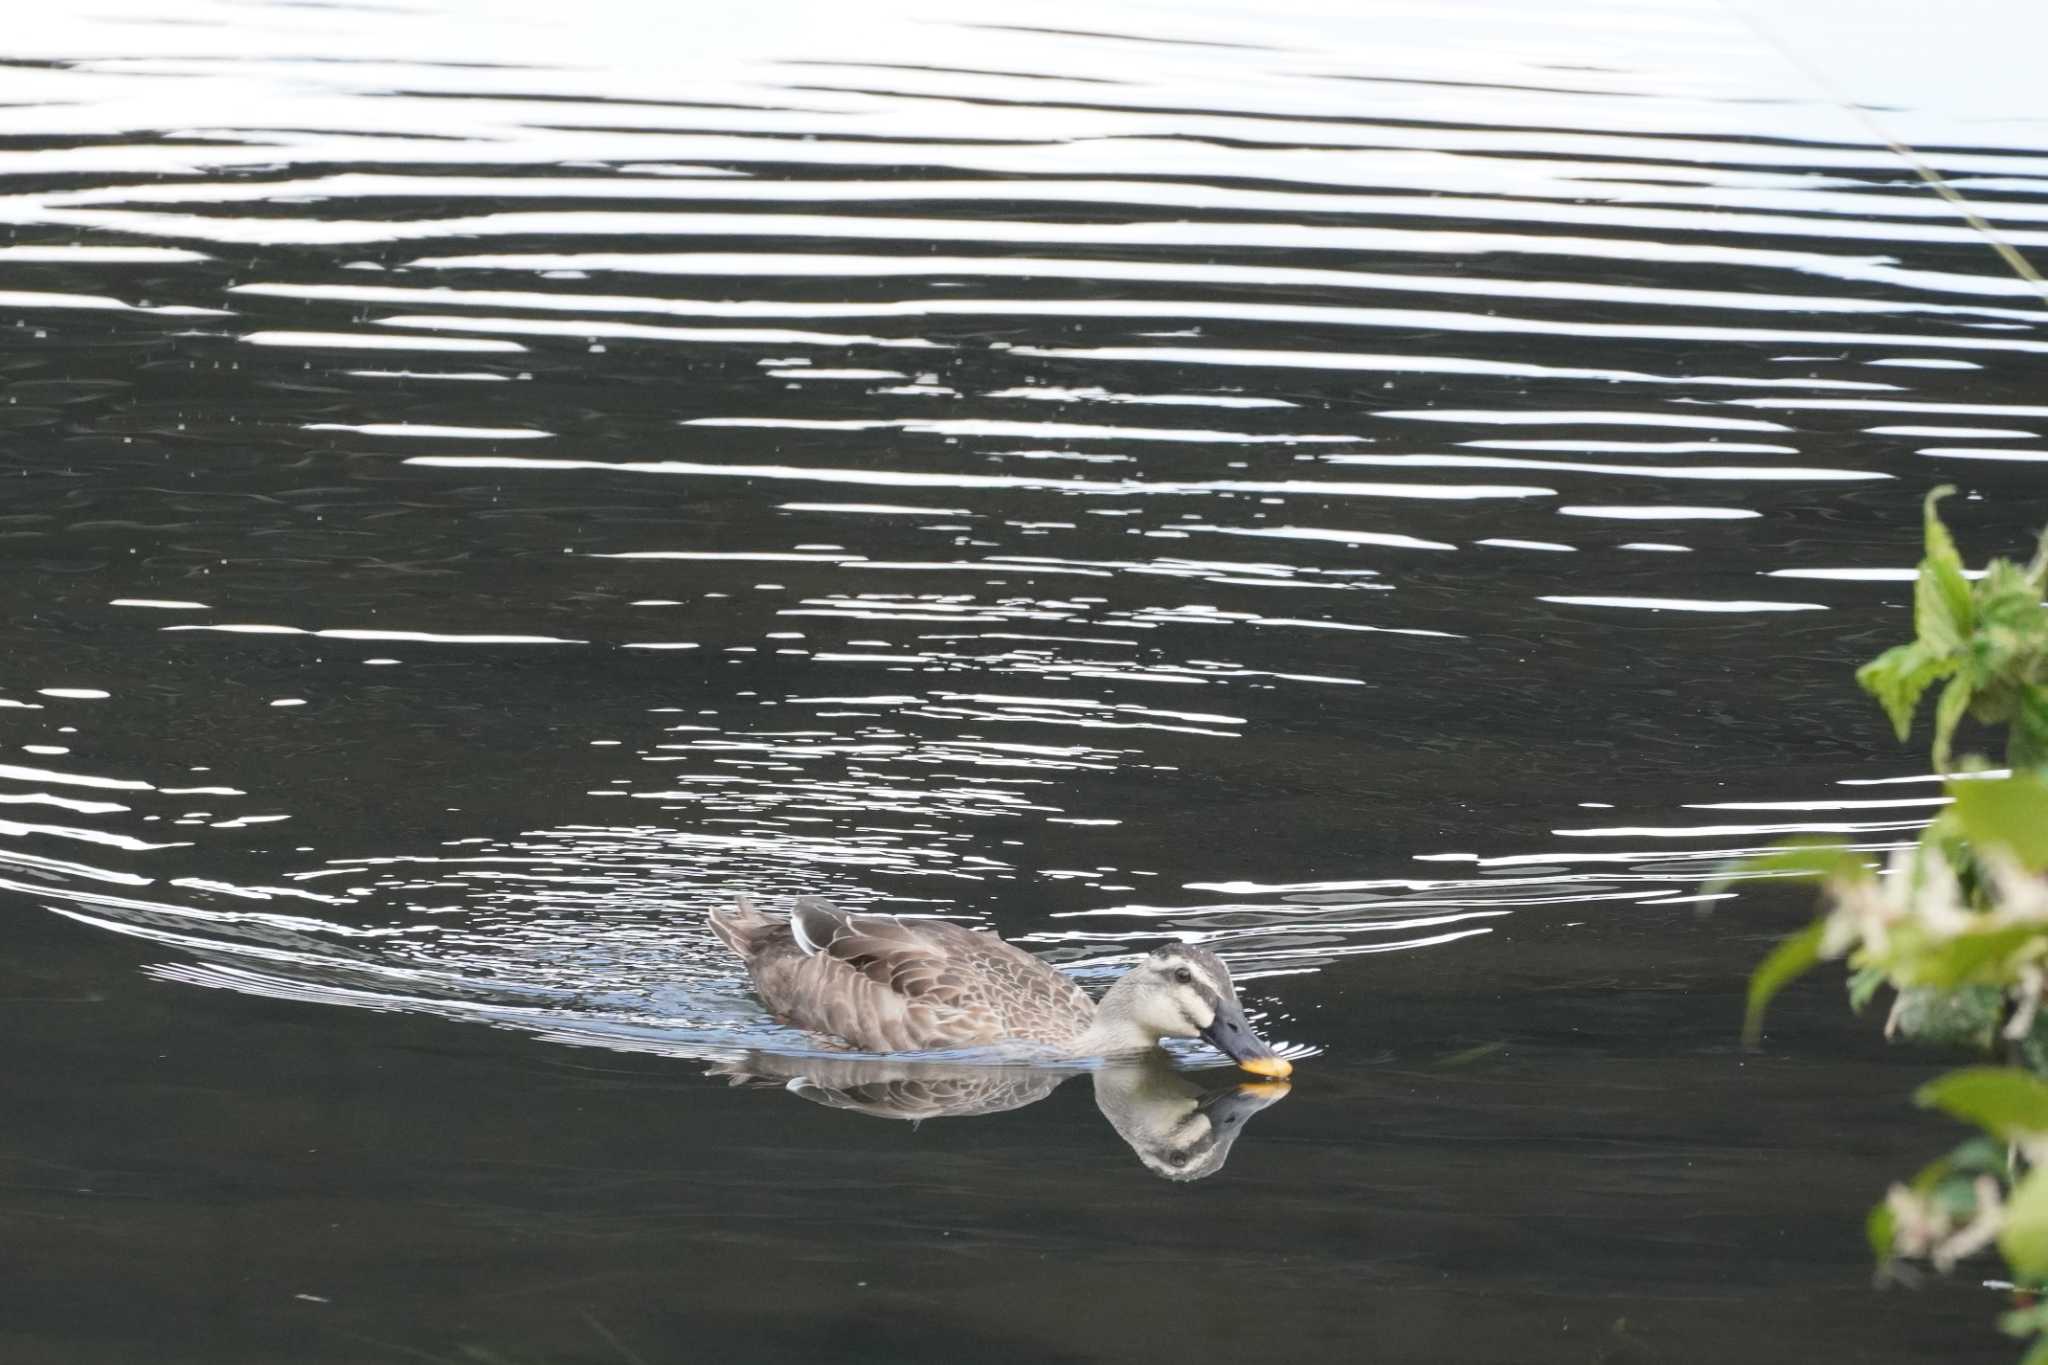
[[882, 983]]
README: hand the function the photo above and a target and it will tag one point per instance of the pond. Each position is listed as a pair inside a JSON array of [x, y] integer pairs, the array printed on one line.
[[1390, 493]]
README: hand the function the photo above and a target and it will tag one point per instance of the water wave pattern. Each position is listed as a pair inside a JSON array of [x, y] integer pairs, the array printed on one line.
[[1044, 473]]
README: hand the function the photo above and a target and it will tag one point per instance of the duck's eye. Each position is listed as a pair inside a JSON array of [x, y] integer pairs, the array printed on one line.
[[1183, 975]]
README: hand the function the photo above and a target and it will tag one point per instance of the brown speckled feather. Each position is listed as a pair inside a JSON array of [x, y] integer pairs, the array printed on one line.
[[892, 985]]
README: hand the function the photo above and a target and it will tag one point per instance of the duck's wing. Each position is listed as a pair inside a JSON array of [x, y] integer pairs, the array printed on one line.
[[895, 985]]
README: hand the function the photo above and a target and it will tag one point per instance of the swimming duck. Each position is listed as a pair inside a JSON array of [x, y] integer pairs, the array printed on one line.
[[886, 984]]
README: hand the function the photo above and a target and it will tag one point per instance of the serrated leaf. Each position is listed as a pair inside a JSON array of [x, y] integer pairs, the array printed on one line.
[[2024, 1237], [1788, 961], [2026, 747], [1898, 678], [1935, 532], [2009, 813], [1948, 713], [2005, 596], [1942, 616], [1942, 613], [2002, 1100]]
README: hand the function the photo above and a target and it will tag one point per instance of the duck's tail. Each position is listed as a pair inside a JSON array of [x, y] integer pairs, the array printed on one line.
[[744, 928]]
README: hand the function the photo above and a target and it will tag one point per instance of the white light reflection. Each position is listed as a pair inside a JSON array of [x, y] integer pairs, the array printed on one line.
[[1684, 604], [419, 636], [910, 479], [1624, 513], [1407, 364], [431, 431], [364, 341]]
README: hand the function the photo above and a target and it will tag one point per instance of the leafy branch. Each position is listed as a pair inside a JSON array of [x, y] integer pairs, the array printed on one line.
[[1957, 923], [1989, 640]]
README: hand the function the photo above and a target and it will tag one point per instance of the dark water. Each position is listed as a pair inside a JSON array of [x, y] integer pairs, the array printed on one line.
[[1392, 493]]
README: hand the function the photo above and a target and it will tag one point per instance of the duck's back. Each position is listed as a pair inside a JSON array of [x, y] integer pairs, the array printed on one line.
[[892, 985]]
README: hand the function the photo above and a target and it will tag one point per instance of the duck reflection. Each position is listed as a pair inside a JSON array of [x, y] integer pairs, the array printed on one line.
[[1180, 1129]]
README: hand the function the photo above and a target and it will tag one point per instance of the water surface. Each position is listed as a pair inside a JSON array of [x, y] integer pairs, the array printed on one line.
[[1392, 494]]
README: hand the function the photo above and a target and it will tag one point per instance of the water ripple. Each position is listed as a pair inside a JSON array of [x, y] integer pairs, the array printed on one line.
[[817, 457]]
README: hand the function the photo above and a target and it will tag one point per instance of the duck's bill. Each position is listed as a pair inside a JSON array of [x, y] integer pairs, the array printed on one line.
[[1275, 1066], [1231, 1034]]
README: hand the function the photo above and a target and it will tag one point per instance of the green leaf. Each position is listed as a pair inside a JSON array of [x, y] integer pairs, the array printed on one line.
[[1942, 612], [1948, 713], [1880, 1227], [1863, 985], [2024, 1322], [1957, 1197], [2034, 1047], [2006, 597], [2026, 748], [1790, 960], [1965, 1017], [1899, 676], [1932, 1174], [2024, 1238], [1973, 1157], [2004, 1101], [2009, 813], [1979, 1156], [1933, 530], [2038, 1355], [1973, 958]]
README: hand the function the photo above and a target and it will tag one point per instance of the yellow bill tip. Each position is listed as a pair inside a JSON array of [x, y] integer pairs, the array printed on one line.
[[1264, 1090], [1278, 1068]]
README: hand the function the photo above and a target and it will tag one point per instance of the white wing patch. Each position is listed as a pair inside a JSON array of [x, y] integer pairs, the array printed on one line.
[[803, 940]]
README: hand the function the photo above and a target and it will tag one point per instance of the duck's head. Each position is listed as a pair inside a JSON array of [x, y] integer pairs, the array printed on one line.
[[1180, 991]]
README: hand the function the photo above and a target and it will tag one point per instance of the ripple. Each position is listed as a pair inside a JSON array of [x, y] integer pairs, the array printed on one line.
[[1130, 311]]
